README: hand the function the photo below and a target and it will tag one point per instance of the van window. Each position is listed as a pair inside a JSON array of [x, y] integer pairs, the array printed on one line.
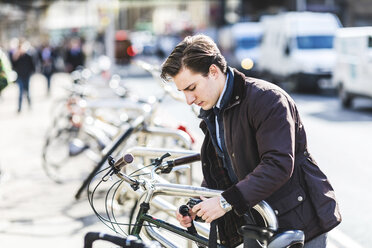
[[248, 42], [370, 41], [315, 42]]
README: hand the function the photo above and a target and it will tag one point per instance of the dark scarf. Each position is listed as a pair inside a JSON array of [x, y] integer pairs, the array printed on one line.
[[209, 117]]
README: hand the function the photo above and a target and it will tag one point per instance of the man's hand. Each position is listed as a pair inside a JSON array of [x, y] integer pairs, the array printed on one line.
[[209, 209]]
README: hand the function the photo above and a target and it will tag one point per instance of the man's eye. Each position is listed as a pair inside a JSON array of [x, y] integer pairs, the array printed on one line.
[[192, 88]]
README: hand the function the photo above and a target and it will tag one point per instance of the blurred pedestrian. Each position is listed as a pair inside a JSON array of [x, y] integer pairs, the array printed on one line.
[[47, 57], [74, 56], [24, 66], [5, 70]]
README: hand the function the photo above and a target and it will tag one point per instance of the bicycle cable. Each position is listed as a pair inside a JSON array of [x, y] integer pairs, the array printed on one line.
[[108, 221]]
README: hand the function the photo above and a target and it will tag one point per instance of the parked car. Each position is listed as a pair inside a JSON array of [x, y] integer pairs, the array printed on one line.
[[297, 47], [239, 44], [144, 43], [352, 74]]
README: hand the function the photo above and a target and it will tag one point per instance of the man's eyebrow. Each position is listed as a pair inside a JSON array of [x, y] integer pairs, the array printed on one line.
[[188, 87]]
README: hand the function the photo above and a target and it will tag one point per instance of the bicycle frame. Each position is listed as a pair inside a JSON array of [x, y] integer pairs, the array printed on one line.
[[155, 189], [144, 217], [156, 186]]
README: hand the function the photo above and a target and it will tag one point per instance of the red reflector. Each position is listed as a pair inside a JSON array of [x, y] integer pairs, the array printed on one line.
[[130, 51], [183, 128]]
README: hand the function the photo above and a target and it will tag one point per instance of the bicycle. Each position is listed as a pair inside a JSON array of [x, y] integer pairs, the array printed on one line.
[[84, 123], [268, 235], [81, 134], [81, 139], [143, 130]]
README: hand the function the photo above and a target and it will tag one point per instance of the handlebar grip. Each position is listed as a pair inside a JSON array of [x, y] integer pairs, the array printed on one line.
[[186, 159], [90, 237], [126, 159]]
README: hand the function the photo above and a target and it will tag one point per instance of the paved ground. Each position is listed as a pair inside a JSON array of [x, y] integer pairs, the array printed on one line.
[[35, 212]]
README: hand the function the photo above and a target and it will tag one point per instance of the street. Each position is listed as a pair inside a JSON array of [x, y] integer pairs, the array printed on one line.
[[340, 141], [36, 212]]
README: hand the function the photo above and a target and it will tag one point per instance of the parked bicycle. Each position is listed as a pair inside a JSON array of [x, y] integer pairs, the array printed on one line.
[[82, 127], [144, 131], [149, 225], [90, 129]]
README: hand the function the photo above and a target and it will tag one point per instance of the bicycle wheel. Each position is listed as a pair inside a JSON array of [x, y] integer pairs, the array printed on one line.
[[68, 154]]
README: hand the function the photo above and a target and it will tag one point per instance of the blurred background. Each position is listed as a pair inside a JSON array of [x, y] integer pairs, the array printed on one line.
[[319, 51], [255, 36]]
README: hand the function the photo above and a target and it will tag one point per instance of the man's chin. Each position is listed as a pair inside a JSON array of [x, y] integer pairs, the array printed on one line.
[[206, 107]]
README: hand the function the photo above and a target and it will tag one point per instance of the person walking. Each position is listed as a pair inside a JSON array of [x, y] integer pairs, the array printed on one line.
[[75, 56], [254, 148], [24, 66], [46, 55]]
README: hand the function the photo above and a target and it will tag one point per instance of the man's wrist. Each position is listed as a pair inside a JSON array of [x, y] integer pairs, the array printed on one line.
[[224, 204]]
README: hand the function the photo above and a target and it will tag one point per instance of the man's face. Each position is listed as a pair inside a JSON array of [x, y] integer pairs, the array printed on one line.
[[199, 90]]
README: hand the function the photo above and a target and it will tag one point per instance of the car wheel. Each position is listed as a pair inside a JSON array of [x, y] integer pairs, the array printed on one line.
[[345, 97]]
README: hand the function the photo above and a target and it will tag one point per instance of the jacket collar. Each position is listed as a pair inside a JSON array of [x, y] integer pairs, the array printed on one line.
[[239, 90]]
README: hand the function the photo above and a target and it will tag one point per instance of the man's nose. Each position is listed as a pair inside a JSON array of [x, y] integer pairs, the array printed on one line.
[[190, 98]]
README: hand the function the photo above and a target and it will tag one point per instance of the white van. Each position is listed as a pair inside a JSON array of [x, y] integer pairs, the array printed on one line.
[[297, 47], [240, 42], [352, 74]]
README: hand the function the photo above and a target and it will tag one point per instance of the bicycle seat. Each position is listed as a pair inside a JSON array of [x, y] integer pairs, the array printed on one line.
[[290, 239], [261, 234]]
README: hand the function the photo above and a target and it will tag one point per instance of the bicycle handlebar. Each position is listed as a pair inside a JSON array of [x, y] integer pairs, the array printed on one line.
[[163, 167], [90, 237], [126, 159], [167, 166], [185, 160]]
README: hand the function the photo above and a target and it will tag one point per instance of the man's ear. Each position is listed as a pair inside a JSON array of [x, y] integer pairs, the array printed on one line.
[[213, 71]]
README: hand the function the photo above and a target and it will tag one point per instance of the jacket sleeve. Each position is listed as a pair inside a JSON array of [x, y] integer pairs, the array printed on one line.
[[272, 115]]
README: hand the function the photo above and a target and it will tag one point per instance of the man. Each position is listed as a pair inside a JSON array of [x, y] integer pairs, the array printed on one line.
[[254, 147]]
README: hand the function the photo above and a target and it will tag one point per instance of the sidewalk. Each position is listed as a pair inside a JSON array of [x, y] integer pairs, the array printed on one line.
[[36, 212]]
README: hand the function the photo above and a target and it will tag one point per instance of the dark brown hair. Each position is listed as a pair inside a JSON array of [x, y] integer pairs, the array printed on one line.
[[196, 53]]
